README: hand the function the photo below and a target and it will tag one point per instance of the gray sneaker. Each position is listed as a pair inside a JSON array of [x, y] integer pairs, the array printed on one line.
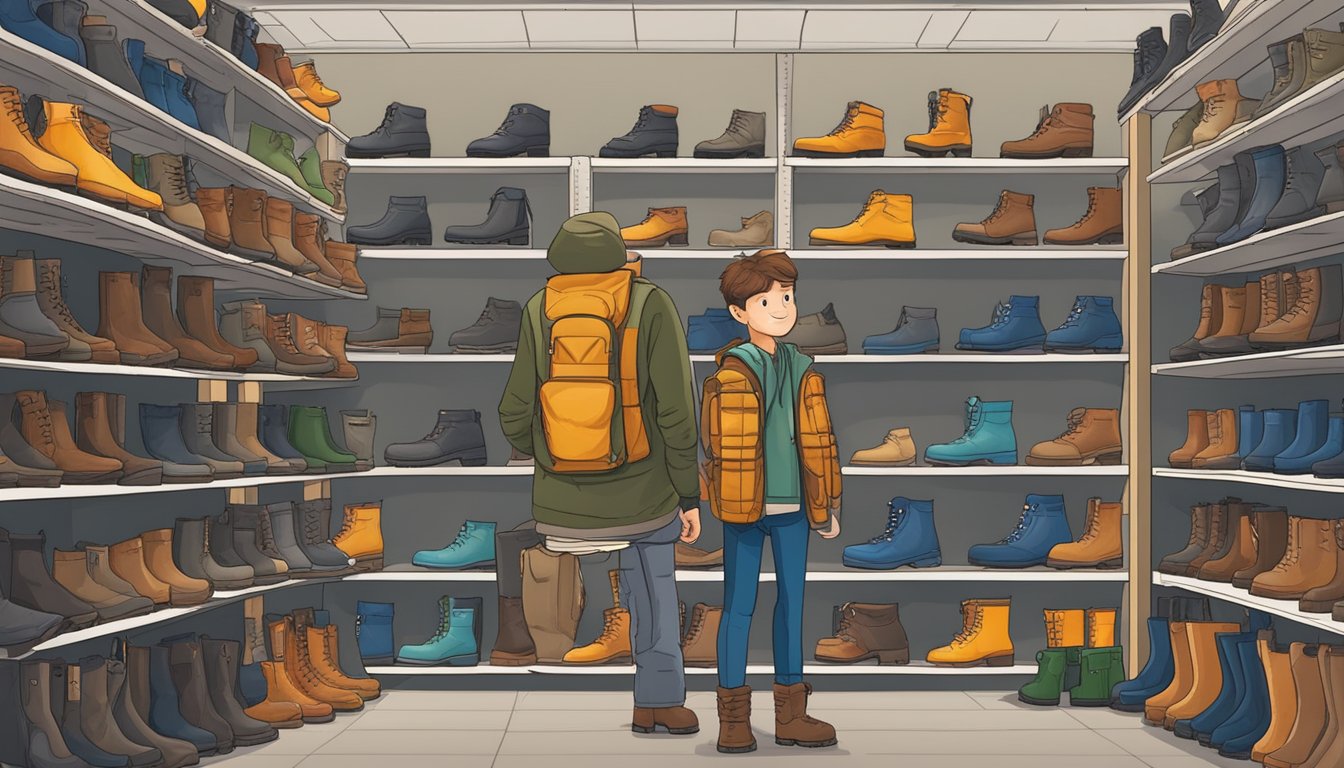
[[744, 137], [819, 334]]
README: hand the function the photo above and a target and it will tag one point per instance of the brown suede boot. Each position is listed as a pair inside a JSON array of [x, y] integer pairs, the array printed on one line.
[[1013, 222], [1065, 131], [342, 256], [367, 688], [1092, 437], [1221, 452], [45, 427], [308, 240], [678, 721], [156, 296], [308, 339], [1238, 551], [1196, 439], [196, 311], [332, 339], [1308, 562], [247, 223], [793, 726], [183, 589], [735, 734], [126, 560], [1271, 541], [120, 320], [214, 203], [95, 433], [1103, 223], [1322, 598], [333, 178], [280, 234]]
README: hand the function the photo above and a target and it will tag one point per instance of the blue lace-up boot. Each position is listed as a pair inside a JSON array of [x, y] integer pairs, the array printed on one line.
[[1325, 431], [1279, 430], [474, 547], [453, 645], [1016, 325], [712, 331], [17, 17], [910, 539], [373, 632], [988, 437], [1041, 526], [1090, 327]]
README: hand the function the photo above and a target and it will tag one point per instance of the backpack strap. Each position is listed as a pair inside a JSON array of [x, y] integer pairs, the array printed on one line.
[[540, 342]]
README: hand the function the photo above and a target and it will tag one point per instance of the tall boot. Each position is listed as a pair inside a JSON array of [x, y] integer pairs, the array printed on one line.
[[95, 433], [128, 690], [41, 745], [287, 647], [193, 691], [165, 706], [99, 724], [51, 299], [1282, 700], [67, 703], [1322, 599], [280, 234], [1239, 550], [1271, 541], [196, 312], [219, 659], [1204, 723], [1329, 750], [45, 426], [1206, 681], [1309, 698], [1157, 672], [121, 319], [1182, 678], [156, 296], [21, 315]]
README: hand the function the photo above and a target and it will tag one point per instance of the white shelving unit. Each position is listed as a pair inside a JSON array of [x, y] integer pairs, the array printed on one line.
[[970, 574], [144, 371], [1310, 361], [980, 165], [1285, 608], [1101, 253], [412, 165], [1295, 244], [868, 668], [1294, 482], [1096, 470], [931, 359]]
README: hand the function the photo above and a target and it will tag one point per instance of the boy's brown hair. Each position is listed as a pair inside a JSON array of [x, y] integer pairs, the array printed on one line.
[[750, 275]]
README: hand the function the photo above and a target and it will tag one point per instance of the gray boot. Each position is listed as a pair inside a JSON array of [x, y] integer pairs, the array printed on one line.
[[312, 530], [509, 220], [358, 428], [21, 316], [1331, 194], [107, 59], [406, 222], [197, 424], [819, 334], [744, 137], [254, 521], [526, 131], [221, 543], [1220, 219], [401, 134], [456, 437], [654, 133], [191, 552], [757, 232], [243, 324], [1298, 202], [496, 330], [916, 331], [287, 542], [210, 108]]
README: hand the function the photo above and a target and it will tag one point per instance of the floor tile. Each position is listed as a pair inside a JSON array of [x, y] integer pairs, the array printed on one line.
[[437, 720], [997, 743], [299, 741], [560, 720], [410, 743], [435, 760], [447, 700], [1001, 700], [849, 720], [1105, 718], [1209, 759], [600, 743], [893, 700], [1149, 742], [245, 758], [578, 700]]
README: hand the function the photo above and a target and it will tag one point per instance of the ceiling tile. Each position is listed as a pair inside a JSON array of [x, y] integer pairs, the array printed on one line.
[[467, 29], [942, 28], [769, 29], [580, 28], [713, 27], [863, 28], [1007, 25], [1105, 25]]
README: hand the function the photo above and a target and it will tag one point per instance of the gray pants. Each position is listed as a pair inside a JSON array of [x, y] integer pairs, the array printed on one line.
[[649, 589]]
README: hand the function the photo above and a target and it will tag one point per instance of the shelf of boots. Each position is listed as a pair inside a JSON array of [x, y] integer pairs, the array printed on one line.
[[1104, 253], [1237, 49], [1294, 482], [913, 668], [41, 210], [1285, 608], [139, 126], [1307, 361], [685, 165], [408, 165], [1293, 244], [982, 165], [957, 573], [1311, 115], [998, 359], [161, 373], [1091, 470]]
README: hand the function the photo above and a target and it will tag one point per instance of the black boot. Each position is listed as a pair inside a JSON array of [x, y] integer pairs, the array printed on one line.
[[655, 133], [496, 330], [30, 734], [401, 134], [1298, 202], [29, 583], [188, 674], [456, 437], [1178, 36], [221, 675], [97, 720], [127, 684], [509, 221], [1148, 56], [245, 543], [525, 131], [1208, 19], [406, 222]]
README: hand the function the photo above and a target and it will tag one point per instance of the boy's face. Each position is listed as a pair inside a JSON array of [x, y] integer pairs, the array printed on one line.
[[772, 312]]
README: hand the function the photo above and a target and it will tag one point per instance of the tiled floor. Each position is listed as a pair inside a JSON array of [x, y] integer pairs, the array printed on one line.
[[592, 730]]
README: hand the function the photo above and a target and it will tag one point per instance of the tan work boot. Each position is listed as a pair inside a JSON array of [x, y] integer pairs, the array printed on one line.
[[247, 224], [734, 705], [1323, 597], [662, 226], [367, 688], [127, 562], [896, 450], [1239, 315], [757, 232], [1221, 452], [949, 126], [333, 178], [793, 726], [342, 256], [165, 175], [983, 638], [886, 220], [612, 646], [1103, 223], [332, 339], [308, 81], [51, 300], [1100, 546], [214, 204], [1092, 437], [1013, 222], [1308, 562], [19, 151], [309, 240], [860, 133], [1196, 439], [1224, 107], [866, 631], [1312, 318], [1065, 131], [700, 646]]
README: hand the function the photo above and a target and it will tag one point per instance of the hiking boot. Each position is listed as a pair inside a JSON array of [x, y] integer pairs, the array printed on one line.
[[526, 130], [51, 288], [612, 645], [949, 126], [1304, 175], [819, 333], [1042, 525], [509, 220], [1313, 318], [1092, 437], [1065, 131], [305, 74], [793, 726], [401, 134], [1101, 224], [1181, 139], [1224, 107], [860, 133], [1012, 223], [983, 639], [756, 232], [395, 330], [474, 547], [406, 222], [495, 331], [886, 220], [654, 133], [896, 450], [1016, 325], [662, 226], [744, 137], [1149, 52], [1092, 326], [20, 153], [866, 631], [452, 645], [910, 539], [21, 315], [1308, 561], [456, 437], [290, 358], [988, 437], [361, 536], [916, 331], [1262, 173], [121, 320], [164, 174], [1099, 546], [734, 706]]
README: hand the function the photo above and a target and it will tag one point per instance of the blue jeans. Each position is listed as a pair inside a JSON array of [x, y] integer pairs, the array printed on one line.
[[648, 581], [742, 546]]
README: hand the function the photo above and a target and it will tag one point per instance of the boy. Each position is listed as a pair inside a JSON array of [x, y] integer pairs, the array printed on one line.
[[771, 469]]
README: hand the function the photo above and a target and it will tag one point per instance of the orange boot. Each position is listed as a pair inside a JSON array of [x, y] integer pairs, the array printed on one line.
[[20, 153], [663, 226], [949, 126], [305, 75], [97, 175], [859, 134]]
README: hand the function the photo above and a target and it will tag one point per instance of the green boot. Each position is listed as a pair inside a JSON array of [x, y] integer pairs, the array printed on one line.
[[1045, 688], [310, 434], [310, 165], [138, 172], [275, 150], [1102, 669]]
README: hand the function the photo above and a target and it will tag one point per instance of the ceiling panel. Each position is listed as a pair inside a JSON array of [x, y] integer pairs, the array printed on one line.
[[942, 28], [580, 28], [983, 26], [781, 30], [684, 28], [864, 28], [1107, 25], [465, 29]]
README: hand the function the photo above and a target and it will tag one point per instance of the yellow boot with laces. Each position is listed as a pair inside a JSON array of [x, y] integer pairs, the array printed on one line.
[[612, 646]]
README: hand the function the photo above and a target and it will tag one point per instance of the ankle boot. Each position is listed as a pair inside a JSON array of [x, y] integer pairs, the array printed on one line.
[[949, 126], [214, 204], [308, 241], [734, 705], [160, 550], [282, 525], [654, 133], [156, 297], [1308, 562], [342, 256], [166, 176], [312, 532], [358, 428], [127, 562], [248, 224], [308, 339], [405, 222], [280, 234], [310, 433], [1271, 541], [332, 339], [1011, 223], [1221, 428], [275, 149], [45, 427], [20, 152], [1065, 131], [860, 133], [197, 425], [28, 582], [509, 220], [224, 428], [793, 726], [399, 330], [313, 643], [70, 569], [1181, 139], [526, 130], [219, 658], [1330, 196], [1224, 107], [97, 176], [366, 687], [21, 315], [120, 319], [1305, 174], [244, 431], [274, 433], [1196, 439], [244, 546], [128, 691], [311, 167], [252, 535], [1149, 52], [219, 545], [662, 226], [289, 647], [401, 134], [1210, 319], [1322, 598], [1262, 172], [1101, 224], [1226, 211], [1091, 437], [196, 312], [51, 301], [242, 326], [193, 553], [161, 433], [1313, 317], [1216, 539], [209, 106], [1240, 314]]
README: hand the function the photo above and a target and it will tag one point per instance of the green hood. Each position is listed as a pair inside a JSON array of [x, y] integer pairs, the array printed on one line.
[[588, 242]]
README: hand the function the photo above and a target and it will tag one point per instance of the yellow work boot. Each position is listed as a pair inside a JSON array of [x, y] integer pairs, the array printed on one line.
[[1065, 628], [663, 226], [361, 535], [97, 176], [887, 220], [983, 638], [1101, 628], [859, 134], [612, 646], [949, 126], [20, 153], [311, 84]]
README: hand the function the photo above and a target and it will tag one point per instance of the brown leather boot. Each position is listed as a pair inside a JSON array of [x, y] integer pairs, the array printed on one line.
[[793, 726], [127, 561], [1278, 668], [1102, 543], [51, 300], [367, 688], [1308, 562], [280, 689], [1322, 598], [1312, 318], [396, 330], [45, 426], [700, 646], [196, 311], [1196, 439], [513, 644], [1238, 550], [1240, 313], [12, 348], [308, 339], [734, 705], [313, 643], [287, 646], [184, 590], [280, 234], [332, 339], [156, 296], [1210, 319], [1092, 437], [1065, 131], [866, 631], [247, 223], [1103, 223], [1215, 540], [70, 569], [333, 178], [1207, 677], [95, 433], [1271, 541], [1329, 750], [1221, 452], [342, 256], [120, 320], [214, 204], [1155, 707], [1309, 684], [267, 54], [1013, 222], [678, 721], [308, 239], [288, 357]]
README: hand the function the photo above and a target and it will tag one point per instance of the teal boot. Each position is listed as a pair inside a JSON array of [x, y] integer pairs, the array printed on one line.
[[310, 165], [474, 547], [988, 437], [1045, 688], [1102, 670], [454, 645], [310, 434]]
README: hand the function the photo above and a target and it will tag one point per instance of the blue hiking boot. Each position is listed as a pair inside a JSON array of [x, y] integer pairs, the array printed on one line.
[[453, 645], [988, 437], [1090, 327], [1041, 526], [1016, 325], [916, 331], [373, 632], [474, 547], [712, 331], [910, 539]]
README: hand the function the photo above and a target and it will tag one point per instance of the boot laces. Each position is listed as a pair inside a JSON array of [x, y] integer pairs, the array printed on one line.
[[973, 420], [1045, 123], [309, 336], [1075, 315], [462, 536], [1075, 427], [894, 517], [1092, 527], [1293, 551], [999, 210], [611, 627], [54, 288], [644, 114], [968, 632], [388, 114], [1196, 530], [1002, 314], [284, 336], [14, 111], [874, 201], [737, 123], [1054, 630], [204, 422], [1091, 208], [697, 625], [842, 630], [1213, 106], [1023, 522], [844, 125], [347, 526], [1306, 291], [312, 528], [1290, 174]]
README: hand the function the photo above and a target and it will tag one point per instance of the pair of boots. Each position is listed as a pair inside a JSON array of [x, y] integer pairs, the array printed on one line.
[[793, 726], [1155, 58], [250, 223], [395, 330], [35, 322], [40, 449], [286, 343], [1284, 309], [1285, 441], [1091, 326], [1160, 668], [1081, 655], [1247, 195], [292, 673], [1305, 699], [291, 540], [136, 316], [299, 81], [1013, 222]]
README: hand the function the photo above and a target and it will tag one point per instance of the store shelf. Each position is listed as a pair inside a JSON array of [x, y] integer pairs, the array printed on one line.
[[28, 207], [491, 471], [1284, 608], [1310, 361], [982, 165], [951, 358], [871, 668], [153, 372], [1238, 48], [1108, 470], [1294, 482], [423, 359], [1005, 254], [409, 165], [951, 573], [1301, 242], [452, 254], [139, 126], [684, 165]]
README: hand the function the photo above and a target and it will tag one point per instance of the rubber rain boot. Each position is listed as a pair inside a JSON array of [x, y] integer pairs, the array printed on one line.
[[1280, 429], [1318, 438], [1157, 671], [1101, 670]]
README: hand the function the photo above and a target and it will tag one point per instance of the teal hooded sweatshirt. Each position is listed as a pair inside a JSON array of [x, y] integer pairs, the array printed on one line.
[[781, 375]]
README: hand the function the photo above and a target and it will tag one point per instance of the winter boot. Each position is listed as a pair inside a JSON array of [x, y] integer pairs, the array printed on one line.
[[1149, 53], [744, 137], [1313, 317], [373, 632], [406, 222], [909, 539], [983, 639], [1092, 437], [474, 547], [988, 437], [613, 644], [1279, 431], [1220, 218], [1303, 180], [886, 220], [1092, 326], [395, 330], [1065, 638], [757, 232], [699, 647], [21, 314], [916, 331], [860, 133], [1065, 131], [1101, 544], [1260, 191], [1101, 224], [1224, 107], [495, 331], [526, 130], [51, 300], [896, 450], [654, 133], [310, 434], [734, 707], [1318, 438], [793, 726], [452, 645], [662, 226], [20, 153], [949, 126], [866, 631], [1042, 525], [509, 220], [1016, 325], [456, 437], [1011, 223], [401, 134], [361, 536]]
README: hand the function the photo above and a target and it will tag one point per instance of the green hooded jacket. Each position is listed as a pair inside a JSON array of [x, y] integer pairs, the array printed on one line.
[[637, 497]]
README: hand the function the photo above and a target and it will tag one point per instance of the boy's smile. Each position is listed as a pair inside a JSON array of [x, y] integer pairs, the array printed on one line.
[[770, 313]]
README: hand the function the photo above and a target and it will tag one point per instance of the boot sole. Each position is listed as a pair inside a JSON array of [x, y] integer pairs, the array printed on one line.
[[623, 659], [498, 659], [537, 151], [1009, 462], [479, 565], [619, 155], [1019, 239], [674, 731], [162, 220], [1037, 345], [143, 477], [1053, 154], [993, 661], [1121, 707], [1110, 238], [400, 350], [1025, 699], [149, 361], [1089, 702], [1104, 459], [923, 562], [729, 154], [417, 238], [736, 750], [860, 153], [808, 744], [1317, 606], [510, 239], [454, 461], [90, 478], [916, 349], [416, 151], [507, 348], [465, 660], [674, 239], [1102, 565], [956, 150], [834, 349], [906, 463], [884, 658], [906, 244]]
